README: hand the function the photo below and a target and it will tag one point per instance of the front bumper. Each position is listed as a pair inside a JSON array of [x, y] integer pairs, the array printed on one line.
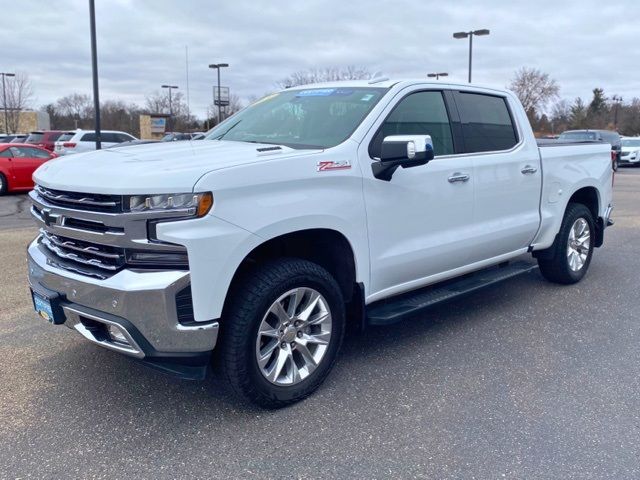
[[140, 304]]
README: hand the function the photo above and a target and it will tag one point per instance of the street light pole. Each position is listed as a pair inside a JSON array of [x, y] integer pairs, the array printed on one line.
[[4, 100], [470, 34], [437, 75], [218, 66], [617, 100], [170, 87], [94, 70]]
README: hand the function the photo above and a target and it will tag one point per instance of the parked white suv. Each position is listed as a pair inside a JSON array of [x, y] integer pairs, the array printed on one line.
[[630, 151], [316, 207], [85, 140]]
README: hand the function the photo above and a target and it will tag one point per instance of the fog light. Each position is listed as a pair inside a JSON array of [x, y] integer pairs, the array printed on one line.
[[116, 334]]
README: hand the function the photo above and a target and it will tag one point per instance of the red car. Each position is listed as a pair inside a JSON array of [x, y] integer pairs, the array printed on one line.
[[18, 161]]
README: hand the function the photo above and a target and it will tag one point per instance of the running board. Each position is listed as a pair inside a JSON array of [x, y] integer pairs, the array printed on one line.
[[394, 309]]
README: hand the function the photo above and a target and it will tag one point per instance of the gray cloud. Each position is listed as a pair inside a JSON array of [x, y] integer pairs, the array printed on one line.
[[582, 44]]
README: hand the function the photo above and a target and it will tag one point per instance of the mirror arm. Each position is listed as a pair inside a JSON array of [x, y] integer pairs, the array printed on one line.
[[384, 170]]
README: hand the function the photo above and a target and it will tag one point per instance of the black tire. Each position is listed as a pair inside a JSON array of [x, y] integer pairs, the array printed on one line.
[[554, 262], [248, 303], [4, 186]]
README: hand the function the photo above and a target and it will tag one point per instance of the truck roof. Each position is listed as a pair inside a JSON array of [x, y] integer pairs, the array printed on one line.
[[391, 82]]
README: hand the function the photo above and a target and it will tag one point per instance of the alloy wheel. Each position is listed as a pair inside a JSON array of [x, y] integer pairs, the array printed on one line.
[[293, 336]]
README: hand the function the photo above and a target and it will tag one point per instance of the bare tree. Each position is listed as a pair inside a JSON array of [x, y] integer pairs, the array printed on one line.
[[327, 74], [534, 88], [158, 102], [19, 95]]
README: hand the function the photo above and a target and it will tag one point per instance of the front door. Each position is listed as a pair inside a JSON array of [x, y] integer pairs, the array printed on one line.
[[420, 222]]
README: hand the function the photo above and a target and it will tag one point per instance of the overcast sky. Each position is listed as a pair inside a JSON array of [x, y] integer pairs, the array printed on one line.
[[141, 44]]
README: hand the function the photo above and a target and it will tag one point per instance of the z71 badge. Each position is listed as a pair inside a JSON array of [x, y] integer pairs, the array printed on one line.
[[325, 165]]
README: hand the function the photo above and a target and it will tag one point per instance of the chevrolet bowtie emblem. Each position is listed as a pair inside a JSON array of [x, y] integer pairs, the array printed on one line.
[[48, 218]]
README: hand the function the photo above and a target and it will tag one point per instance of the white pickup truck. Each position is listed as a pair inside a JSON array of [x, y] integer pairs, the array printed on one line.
[[315, 208]]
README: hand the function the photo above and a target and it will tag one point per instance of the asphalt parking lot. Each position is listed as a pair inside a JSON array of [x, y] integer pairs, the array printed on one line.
[[521, 380]]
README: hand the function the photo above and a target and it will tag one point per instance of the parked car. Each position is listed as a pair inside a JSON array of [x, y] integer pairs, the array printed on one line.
[[317, 207], [16, 138], [17, 164], [177, 136], [133, 142], [608, 136], [630, 154], [44, 138], [85, 140]]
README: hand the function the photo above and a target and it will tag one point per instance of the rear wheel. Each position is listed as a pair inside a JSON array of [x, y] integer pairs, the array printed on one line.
[[568, 259], [282, 332], [4, 186]]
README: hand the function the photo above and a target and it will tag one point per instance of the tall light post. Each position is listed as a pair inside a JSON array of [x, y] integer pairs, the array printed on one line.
[[218, 66], [170, 87], [437, 75], [4, 100], [470, 35], [617, 100], [94, 72]]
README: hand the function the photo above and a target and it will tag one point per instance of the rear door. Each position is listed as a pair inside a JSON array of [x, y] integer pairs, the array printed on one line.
[[507, 175], [25, 161]]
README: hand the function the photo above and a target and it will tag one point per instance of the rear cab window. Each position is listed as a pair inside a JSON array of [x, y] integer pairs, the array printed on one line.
[[487, 123]]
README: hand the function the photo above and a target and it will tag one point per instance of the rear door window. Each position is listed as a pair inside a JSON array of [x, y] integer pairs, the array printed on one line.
[[88, 137], [487, 125]]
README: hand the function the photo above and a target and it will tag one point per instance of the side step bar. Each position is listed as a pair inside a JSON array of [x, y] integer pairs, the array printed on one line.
[[394, 309]]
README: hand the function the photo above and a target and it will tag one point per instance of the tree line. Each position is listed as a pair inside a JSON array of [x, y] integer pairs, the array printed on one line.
[[549, 114]]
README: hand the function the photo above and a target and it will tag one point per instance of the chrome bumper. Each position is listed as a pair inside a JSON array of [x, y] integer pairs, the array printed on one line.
[[141, 304]]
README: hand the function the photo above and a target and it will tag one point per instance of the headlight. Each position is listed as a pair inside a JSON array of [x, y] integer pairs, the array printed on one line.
[[197, 204]]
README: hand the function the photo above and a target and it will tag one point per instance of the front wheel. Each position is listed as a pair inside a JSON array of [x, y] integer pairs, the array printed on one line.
[[568, 259], [282, 331]]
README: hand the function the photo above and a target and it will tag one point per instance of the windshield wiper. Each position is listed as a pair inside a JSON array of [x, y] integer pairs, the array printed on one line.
[[228, 130]]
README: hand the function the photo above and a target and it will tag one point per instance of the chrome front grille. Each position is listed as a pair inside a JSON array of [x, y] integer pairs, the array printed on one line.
[[98, 256], [81, 201], [86, 234]]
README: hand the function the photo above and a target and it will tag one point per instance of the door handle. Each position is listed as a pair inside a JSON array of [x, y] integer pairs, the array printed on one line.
[[528, 170], [459, 177]]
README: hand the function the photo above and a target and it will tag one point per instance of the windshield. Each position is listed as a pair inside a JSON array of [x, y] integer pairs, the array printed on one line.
[[578, 136], [312, 118], [631, 142]]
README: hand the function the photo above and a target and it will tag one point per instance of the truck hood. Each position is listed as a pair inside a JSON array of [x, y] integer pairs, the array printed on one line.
[[170, 167]]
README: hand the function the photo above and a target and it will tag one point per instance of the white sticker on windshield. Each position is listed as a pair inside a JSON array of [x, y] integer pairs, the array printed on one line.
[[318, 92], [367, 97]]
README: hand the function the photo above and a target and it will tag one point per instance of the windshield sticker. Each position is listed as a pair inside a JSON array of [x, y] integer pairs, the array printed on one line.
[[319, 92], [367, 97]]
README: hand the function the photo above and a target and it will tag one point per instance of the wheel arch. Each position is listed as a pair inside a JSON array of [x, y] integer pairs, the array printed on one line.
[[324, 246], [590, 197]]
